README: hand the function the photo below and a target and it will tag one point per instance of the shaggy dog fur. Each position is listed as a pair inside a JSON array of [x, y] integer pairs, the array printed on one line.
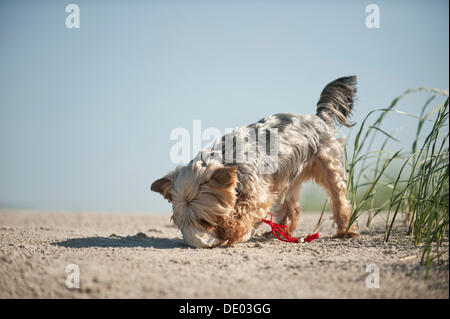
[[220, 202]]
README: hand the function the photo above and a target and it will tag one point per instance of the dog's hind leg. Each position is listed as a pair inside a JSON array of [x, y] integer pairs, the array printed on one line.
[[329, 172]]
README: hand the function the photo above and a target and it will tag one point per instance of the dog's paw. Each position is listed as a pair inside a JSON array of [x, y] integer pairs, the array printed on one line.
[[267, 234], [344, 235]]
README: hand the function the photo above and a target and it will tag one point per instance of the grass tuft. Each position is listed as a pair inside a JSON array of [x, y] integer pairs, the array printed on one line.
[[413, 184]]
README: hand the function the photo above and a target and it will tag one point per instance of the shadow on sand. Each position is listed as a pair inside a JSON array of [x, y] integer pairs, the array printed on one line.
[[138, 240]]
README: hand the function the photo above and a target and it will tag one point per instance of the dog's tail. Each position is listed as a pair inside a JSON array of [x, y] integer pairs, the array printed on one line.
[[336, 101]]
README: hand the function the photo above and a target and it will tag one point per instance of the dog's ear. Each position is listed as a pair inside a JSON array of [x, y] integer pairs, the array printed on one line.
[[163, 186], [222, 184], [224, 177]]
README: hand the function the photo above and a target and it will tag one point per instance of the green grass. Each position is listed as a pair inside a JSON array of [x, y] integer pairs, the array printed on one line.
[[410, 182]]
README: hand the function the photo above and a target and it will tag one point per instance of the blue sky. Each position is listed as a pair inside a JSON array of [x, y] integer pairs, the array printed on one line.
[[86, 114]]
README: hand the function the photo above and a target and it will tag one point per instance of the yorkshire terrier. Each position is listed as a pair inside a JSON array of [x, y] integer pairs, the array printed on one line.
[[219, 198]]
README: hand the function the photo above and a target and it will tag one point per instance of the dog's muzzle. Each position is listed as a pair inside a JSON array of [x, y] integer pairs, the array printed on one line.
[[201, 239]]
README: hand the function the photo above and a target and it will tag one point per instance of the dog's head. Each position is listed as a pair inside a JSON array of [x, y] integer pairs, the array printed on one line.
[[204, 197]]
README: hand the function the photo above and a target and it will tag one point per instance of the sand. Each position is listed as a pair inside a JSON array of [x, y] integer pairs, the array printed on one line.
[[143, 256]]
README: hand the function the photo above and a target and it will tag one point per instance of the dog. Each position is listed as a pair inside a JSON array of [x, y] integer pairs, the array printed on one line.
[[217, 202]]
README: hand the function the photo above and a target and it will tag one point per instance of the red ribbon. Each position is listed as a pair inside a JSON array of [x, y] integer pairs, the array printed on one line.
[[311, 237], [284, 232]]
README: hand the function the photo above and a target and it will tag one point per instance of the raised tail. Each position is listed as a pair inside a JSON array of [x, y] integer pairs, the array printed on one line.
[[336, 101]]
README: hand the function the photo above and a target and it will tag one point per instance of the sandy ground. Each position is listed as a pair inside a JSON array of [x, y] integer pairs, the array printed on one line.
[[143, 256]]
